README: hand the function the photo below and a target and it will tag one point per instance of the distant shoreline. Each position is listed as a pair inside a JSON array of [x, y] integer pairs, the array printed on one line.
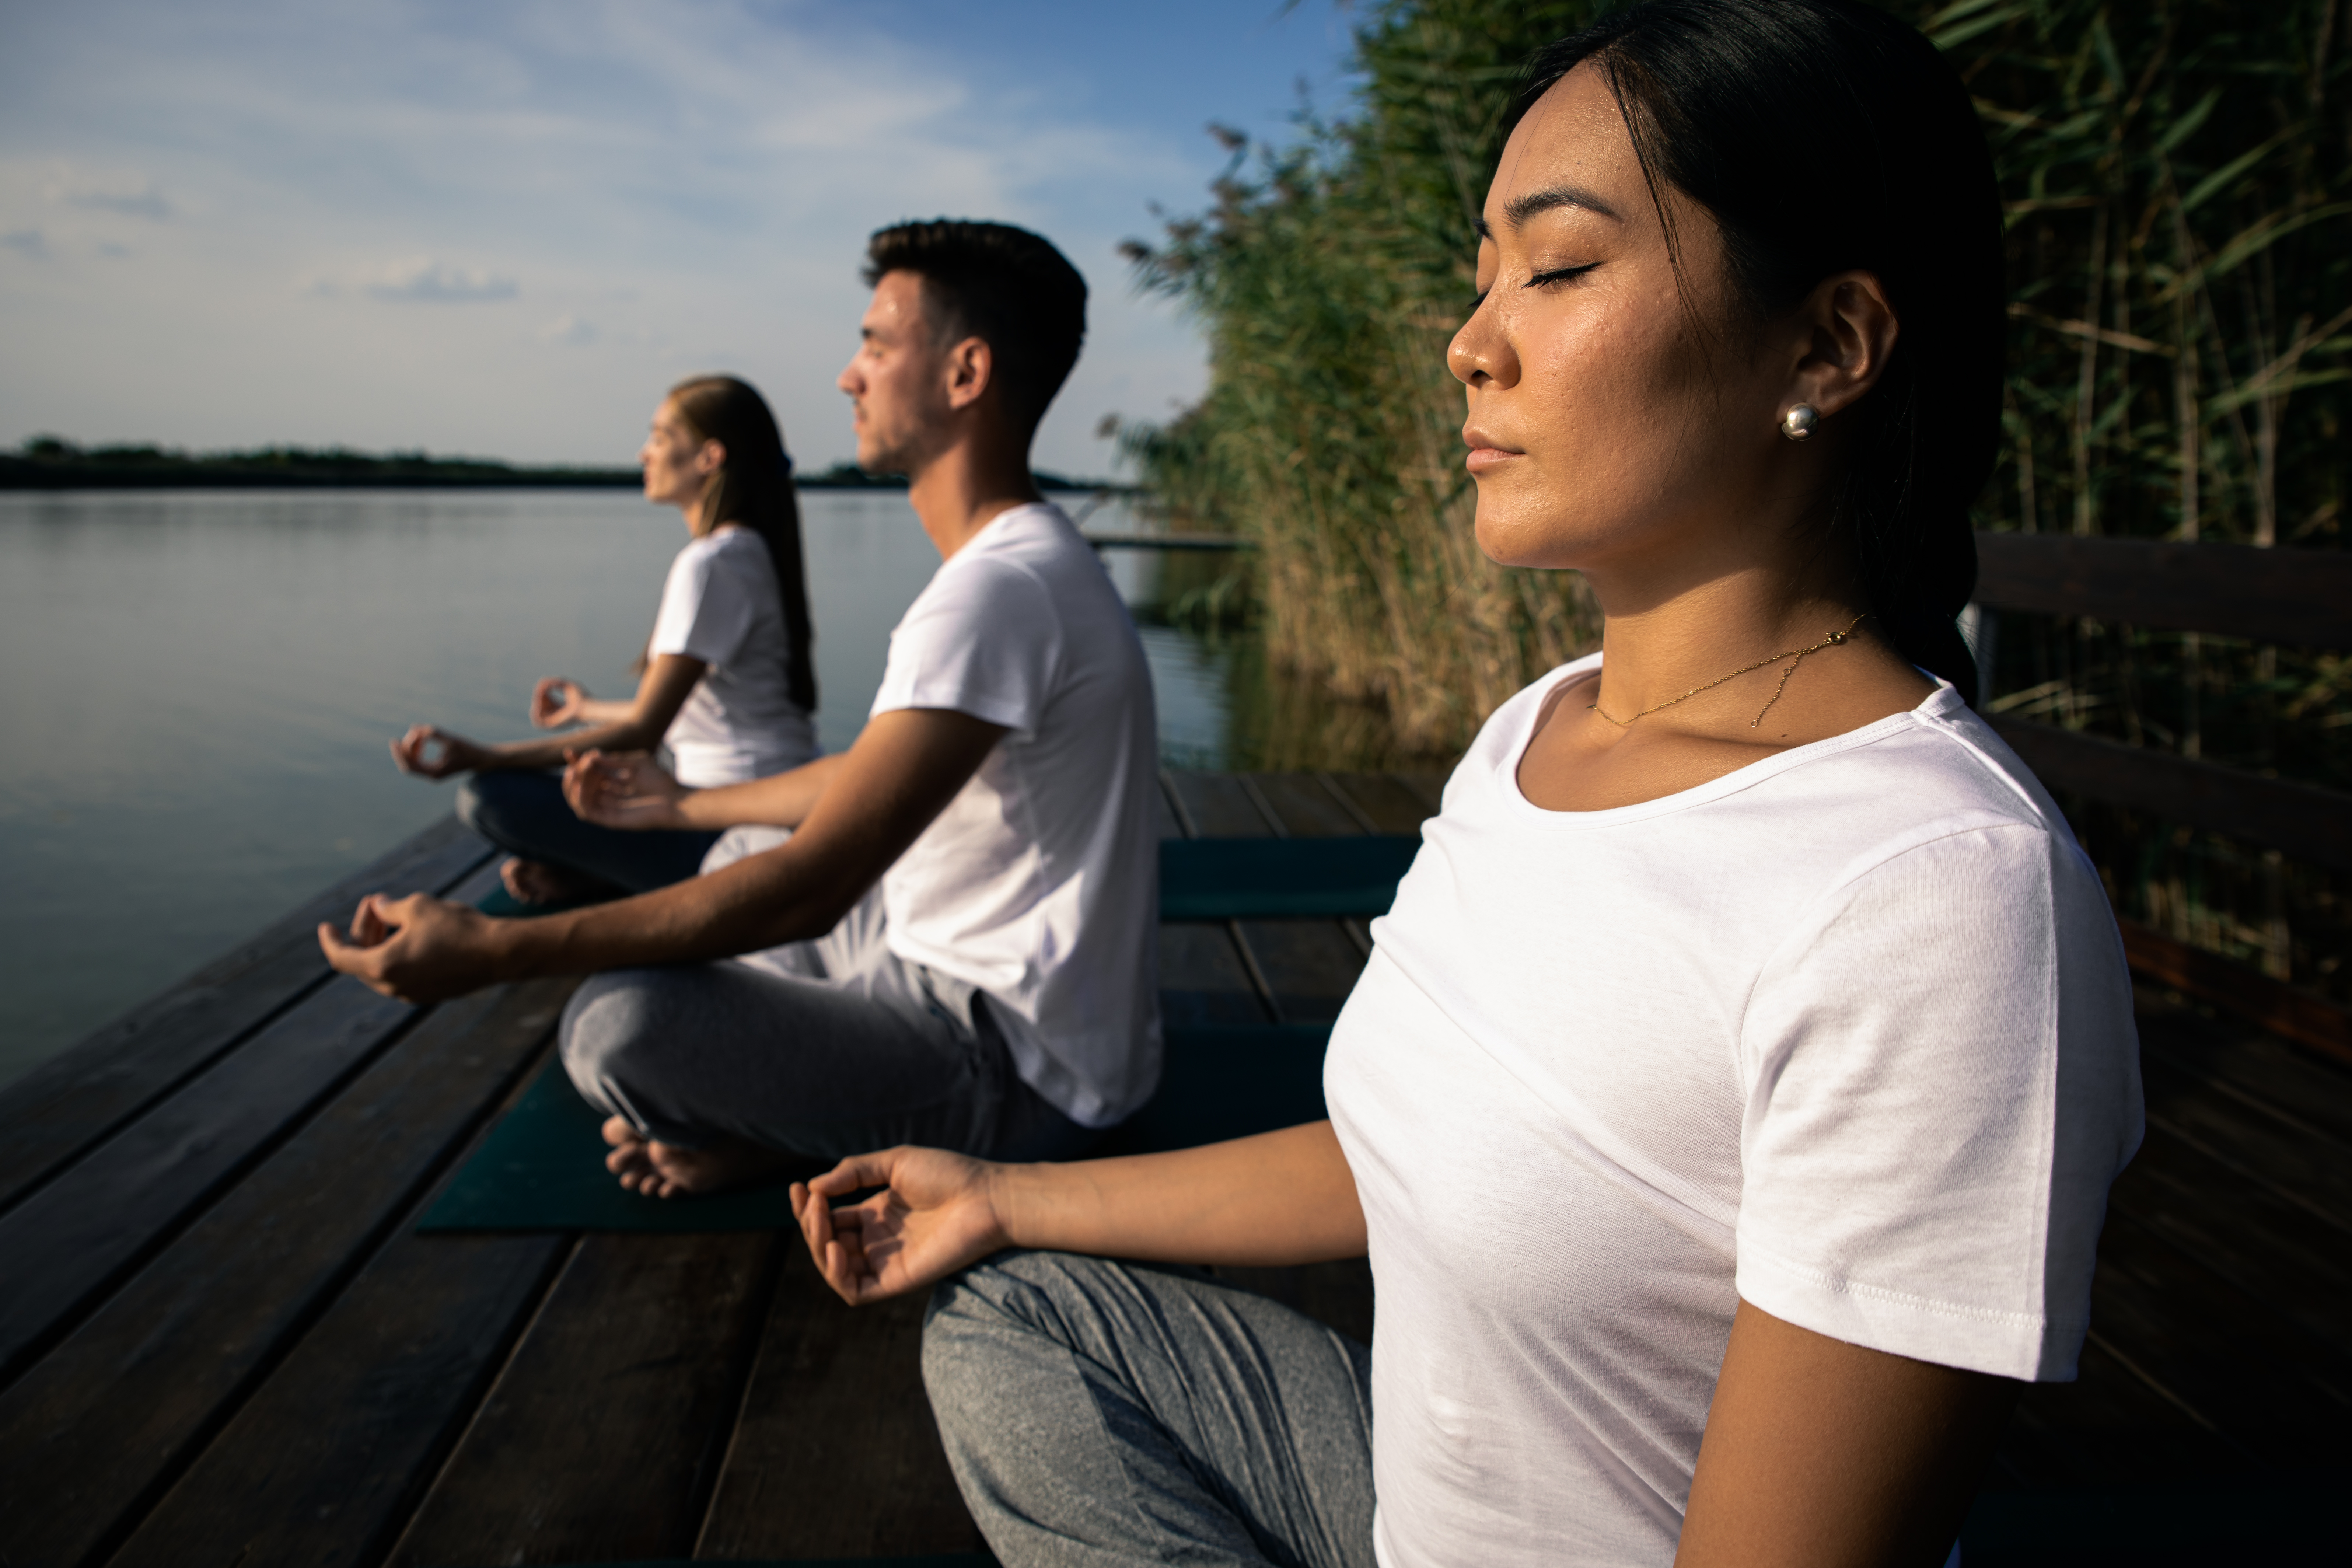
[[49, 465]]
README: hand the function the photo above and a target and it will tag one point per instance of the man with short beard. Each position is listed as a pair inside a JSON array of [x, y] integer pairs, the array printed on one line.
[[944, 935]]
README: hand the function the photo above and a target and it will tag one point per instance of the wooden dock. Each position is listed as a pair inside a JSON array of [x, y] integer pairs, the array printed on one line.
[[222, 1341]]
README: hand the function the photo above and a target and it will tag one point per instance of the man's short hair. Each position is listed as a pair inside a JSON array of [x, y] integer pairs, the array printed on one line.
[[1005, 286]]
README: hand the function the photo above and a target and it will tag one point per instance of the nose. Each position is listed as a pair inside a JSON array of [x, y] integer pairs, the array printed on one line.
[[1481, 352], [849, 381]]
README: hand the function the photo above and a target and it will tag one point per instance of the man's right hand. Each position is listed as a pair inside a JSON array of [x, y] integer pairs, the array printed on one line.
[[936, 1212], [626, 789], [419, 949]]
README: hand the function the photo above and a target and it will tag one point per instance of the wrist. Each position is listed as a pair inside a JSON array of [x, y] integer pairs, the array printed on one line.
[[1004, 1188]]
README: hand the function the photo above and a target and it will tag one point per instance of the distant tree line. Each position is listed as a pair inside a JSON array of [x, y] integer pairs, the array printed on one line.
[[52, 463]]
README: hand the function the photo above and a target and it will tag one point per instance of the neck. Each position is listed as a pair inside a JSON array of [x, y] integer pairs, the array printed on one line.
[[1682, 625], [966, 486]]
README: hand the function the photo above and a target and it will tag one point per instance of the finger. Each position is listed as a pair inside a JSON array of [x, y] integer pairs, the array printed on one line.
[[856, 1172]]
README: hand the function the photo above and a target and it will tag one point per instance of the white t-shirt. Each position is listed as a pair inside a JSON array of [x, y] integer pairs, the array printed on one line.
[[720, 606], [1846, 1033], [1040, 882]]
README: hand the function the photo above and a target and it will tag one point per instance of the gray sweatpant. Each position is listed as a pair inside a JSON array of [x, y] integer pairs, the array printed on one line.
[[1101, 1412], [822, 1048]]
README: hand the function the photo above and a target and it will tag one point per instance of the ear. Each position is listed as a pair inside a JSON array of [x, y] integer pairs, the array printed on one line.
[[710, 459], [1846, 331], [970, 370]]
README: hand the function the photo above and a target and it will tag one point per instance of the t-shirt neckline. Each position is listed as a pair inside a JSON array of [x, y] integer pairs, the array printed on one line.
[[1937, 705]]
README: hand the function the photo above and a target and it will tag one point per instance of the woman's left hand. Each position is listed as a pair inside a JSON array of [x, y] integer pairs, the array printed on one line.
[[558, 701]]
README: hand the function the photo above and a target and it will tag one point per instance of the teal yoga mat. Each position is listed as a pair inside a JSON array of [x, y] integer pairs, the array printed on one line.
[[541, 1167], [1278, 878], [1242, 878]]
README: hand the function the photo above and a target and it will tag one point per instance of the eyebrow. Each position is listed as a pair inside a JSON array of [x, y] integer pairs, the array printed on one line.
[[1519, 209]]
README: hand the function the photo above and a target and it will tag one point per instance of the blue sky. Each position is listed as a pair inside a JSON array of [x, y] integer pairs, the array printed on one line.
[[504, 228]]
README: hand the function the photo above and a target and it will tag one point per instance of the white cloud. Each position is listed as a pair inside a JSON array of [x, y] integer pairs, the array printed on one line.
[[426, 280]]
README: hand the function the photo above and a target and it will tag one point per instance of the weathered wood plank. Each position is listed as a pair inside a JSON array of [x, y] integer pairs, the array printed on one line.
[[2301, 820], [1164, 811], [2299, 596], [2276, 1391], [2300, 1015], [1304, 806], [323, 1465], [2276, 1252], [70, 1102], [1383, 800], [1429, 786], [2109, 1428], [602, 1437], [115, 1410], [836, 1453], [2251, 1068], [1308, 966], [70, 1241], [1203, 979], [1218, 806]]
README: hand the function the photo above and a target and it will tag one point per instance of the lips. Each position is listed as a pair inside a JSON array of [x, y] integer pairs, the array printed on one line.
[[1486, 452]]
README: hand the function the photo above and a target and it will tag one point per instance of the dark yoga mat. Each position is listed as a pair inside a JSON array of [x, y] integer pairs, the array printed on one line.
[[1278, 879], [1238, 878], [541, 1167]]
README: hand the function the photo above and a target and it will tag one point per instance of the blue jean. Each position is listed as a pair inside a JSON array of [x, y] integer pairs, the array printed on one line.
[[525, 815]]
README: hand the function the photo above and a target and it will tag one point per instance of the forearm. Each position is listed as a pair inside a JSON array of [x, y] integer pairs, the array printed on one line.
[[744, 908], [1279, 1198], [780, 800], [606, 710]]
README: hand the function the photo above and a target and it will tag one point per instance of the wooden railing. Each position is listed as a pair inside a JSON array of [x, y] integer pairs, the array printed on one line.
[[2300, 597]]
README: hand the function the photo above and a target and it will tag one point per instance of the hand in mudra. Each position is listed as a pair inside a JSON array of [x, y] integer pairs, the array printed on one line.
[[557, 701], [433, 752], [936, 1214], [621, 789]]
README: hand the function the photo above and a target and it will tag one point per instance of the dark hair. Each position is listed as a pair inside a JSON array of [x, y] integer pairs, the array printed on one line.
[[1001, 284], [1824, 135], [754, 488]]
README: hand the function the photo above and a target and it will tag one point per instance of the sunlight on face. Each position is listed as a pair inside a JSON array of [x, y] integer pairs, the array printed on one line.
[[1601, 423], [669, 459], [894, 381]]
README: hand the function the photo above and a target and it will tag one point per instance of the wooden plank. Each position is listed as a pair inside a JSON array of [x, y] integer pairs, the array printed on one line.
[[603, 1436], [2299, 596], [2268, 1075], [2310, 1172], [66, 1104], [71, 1240], [836, 1453], [1304, 806], [2300, 1015], [1164, 810], [1428, 786], [116, 1409], [2276, 1252], [1203, 979], [323, 1465], [1308, 966], [2301, 820], [2255, 1376], [1383, 800], [2109, 1428], [1218, 806]]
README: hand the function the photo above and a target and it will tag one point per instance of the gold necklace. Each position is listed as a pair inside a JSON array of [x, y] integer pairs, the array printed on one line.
[[1795, 656]]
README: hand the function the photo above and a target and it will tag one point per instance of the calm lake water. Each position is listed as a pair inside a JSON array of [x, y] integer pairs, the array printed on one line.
[[199, 689]]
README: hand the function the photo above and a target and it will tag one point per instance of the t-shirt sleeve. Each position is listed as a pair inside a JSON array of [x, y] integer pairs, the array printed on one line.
[[986, 642], [707, 606], [1943, 1080]]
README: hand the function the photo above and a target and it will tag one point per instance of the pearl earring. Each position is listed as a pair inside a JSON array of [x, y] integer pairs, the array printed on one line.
[[1799, 421]]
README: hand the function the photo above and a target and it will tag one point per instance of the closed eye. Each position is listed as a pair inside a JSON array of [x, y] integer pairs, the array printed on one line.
[[1560, 275]]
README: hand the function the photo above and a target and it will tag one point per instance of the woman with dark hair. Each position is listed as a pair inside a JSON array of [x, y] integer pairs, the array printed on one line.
[[1729, 1103], [725, 682]]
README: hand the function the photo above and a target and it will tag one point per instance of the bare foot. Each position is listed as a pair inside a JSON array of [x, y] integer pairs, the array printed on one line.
[[536, 882], [666, 1170]]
